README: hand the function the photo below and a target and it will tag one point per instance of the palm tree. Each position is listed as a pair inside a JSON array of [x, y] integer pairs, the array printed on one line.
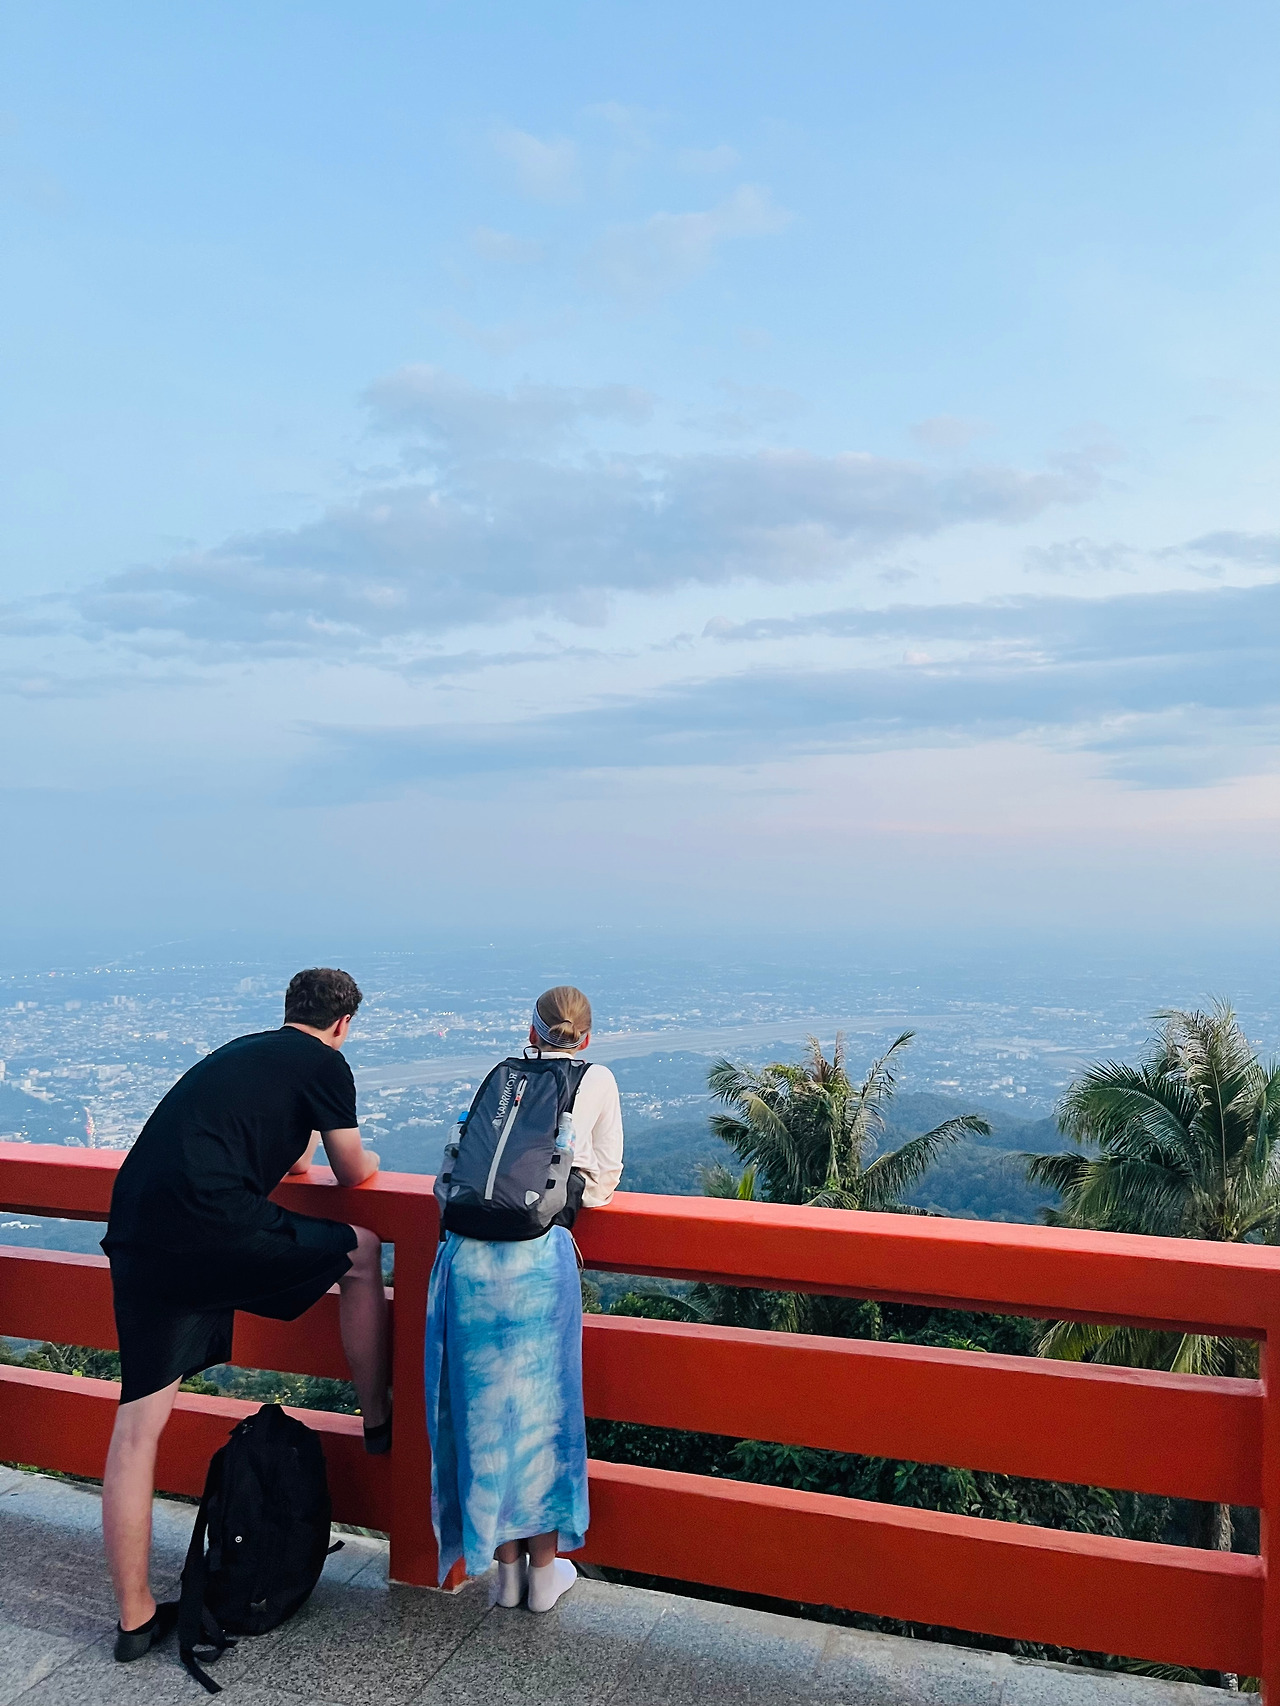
[[805, 1132], [808, 1135], [1183, 1146]]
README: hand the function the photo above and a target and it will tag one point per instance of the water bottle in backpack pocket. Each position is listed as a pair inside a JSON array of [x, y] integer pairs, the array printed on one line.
[[508, 1172]]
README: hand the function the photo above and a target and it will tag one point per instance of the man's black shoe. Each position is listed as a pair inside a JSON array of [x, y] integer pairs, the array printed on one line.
[[377, 1441], [132, 1643]]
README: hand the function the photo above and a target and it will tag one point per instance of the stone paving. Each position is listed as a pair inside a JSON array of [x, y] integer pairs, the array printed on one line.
[[361, 1642]]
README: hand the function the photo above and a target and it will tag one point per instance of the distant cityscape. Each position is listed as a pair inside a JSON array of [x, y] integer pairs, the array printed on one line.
[[87, 1051]]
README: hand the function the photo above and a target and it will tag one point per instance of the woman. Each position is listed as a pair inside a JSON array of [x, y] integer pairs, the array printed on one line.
[[504, 1362]]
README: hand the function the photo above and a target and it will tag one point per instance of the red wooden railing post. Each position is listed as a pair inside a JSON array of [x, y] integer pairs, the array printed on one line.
[[413, 1544], [1269, 1513]]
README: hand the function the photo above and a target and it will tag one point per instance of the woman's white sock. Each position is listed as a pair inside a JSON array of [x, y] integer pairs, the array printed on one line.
[[548, 1581], [512, 1581]]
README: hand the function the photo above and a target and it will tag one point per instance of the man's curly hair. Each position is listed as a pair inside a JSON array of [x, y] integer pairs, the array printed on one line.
[[320, 997]]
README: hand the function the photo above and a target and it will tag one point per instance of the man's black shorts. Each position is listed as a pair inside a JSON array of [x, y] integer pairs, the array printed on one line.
[[175, 1309]]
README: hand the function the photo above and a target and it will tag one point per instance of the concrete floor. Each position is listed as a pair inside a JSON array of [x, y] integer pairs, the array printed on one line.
[[360, 1642]]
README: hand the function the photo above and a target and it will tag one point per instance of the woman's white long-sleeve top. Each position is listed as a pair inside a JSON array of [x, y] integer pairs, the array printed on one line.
[[597, 1130]]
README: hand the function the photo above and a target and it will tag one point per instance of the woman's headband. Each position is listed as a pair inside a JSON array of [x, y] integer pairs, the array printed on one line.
[[541, 1030]]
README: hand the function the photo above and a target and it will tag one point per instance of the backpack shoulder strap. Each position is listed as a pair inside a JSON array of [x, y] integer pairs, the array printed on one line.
[[577, 1071], [200, 1636]]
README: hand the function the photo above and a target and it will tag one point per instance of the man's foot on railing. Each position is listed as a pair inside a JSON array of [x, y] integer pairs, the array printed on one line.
[[377, 1441], [133, 1643]]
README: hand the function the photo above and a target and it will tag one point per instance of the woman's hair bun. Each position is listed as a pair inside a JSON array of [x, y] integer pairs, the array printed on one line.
[[566, 1013]]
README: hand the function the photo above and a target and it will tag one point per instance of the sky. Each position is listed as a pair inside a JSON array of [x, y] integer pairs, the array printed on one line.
[[704, 468]]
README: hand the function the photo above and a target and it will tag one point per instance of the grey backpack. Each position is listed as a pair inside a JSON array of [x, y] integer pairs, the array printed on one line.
[[508, 1172]]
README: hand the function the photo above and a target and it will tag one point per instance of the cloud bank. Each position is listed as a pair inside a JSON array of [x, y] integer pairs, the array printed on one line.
[[1170, 689], [506, 510]]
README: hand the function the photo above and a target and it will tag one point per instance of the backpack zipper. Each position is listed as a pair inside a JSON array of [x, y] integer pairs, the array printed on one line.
[[502, 1141]]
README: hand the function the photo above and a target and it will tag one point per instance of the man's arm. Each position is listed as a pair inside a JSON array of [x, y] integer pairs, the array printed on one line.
[[352, 1163], [304, 1160]]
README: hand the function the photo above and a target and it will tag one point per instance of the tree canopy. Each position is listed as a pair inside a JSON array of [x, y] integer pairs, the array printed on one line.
[[808, 1134], [1182, 1146]]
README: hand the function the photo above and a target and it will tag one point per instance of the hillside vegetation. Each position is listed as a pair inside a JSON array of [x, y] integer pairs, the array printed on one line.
[[977, 1177]]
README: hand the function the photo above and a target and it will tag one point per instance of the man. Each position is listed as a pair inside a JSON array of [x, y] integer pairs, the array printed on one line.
[[193, 1236]]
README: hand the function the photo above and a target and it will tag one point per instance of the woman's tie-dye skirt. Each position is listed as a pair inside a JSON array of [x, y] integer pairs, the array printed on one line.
[[504, 1396]]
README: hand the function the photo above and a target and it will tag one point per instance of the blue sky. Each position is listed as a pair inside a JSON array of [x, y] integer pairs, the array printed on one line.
[[689, 462]]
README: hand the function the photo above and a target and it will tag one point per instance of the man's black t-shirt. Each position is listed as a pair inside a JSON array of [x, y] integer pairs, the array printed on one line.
[[204, 1165]]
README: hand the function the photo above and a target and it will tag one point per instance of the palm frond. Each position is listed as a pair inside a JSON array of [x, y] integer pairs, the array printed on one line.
[[865, 1118], [835, 1196], [762, 1117], [1094, 1341], [717, 1180], [1267, 1113], [1072, 1341], [1199, 1353], [728, 1081], [1059, 1172], [730, 1130], [1214, 1060], [1132, 1107], [890, 1175], [1132, 1196], [824, 1072], [789, 1311]]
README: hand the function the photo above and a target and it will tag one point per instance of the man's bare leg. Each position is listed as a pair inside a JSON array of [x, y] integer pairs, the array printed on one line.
[[127, 1490], [363, 1319]]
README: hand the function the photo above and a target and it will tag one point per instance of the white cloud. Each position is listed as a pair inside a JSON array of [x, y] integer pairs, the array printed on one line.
[[641, 262], [1254, 550], [462, 421], [544, 170], [1078, 557]]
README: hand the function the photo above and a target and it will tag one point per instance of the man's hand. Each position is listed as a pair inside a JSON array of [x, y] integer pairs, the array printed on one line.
[[352, 1163]]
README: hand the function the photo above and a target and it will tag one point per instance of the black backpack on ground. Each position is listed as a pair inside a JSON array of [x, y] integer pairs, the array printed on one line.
[[505, 1175], [265, 1514]]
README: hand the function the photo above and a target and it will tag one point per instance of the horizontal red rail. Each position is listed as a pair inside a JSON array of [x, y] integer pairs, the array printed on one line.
[[1042, 1271], [1182, 1435], [60, 1421], [47, 1294], [1073, 1590]]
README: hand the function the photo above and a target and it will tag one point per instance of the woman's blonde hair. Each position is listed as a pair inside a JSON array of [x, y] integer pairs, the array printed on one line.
[[565, 1013]]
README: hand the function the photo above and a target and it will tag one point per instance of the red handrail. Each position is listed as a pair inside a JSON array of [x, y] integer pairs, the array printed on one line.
[[1184, 1435]]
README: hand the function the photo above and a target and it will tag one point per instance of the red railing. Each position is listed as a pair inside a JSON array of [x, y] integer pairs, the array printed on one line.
[[1183, 1435]]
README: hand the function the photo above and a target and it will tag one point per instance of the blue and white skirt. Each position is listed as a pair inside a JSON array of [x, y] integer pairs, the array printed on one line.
[[504, 1396]]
